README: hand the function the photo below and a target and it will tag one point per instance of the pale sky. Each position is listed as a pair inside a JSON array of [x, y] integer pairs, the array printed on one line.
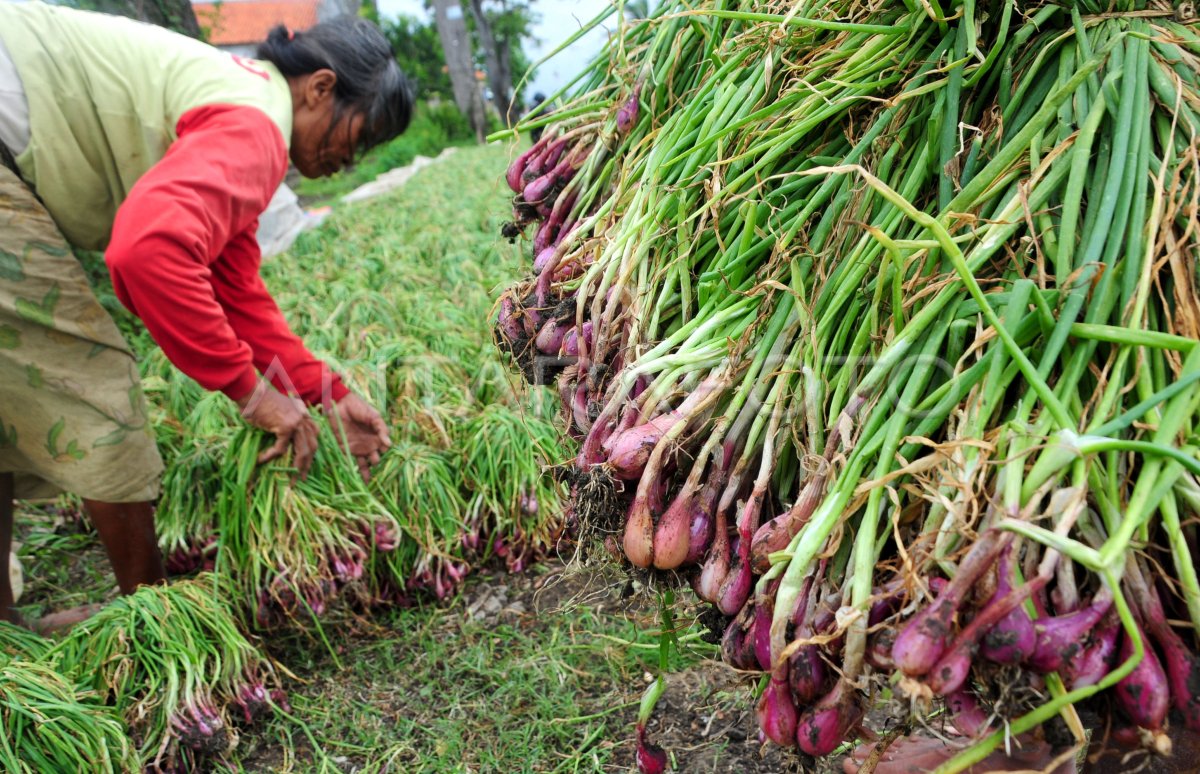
[[559, 20]]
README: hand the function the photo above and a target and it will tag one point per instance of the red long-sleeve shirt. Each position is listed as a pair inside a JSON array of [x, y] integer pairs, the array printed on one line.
[[184, 257]]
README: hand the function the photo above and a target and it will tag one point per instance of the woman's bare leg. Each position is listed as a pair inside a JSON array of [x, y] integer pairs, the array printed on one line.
[[127, 532]]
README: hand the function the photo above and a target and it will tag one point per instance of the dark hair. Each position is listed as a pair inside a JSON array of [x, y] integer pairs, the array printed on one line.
[[369, 82]]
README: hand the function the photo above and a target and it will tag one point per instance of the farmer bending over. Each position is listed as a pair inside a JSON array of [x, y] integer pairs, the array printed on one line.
[[163, 152]]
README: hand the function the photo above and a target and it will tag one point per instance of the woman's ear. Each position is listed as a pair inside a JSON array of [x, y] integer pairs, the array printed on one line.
[[319, 87]]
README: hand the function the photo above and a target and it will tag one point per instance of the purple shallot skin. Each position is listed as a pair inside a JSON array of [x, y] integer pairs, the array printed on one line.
[[776, 711], [638, 542], [251, 700], [716, 565], [808, 675], [583, 421], [739, 581], [735, 589], [541, 163], [921, 643], [651, 759], [778, 532], [700, 530], [737, 644], [968, 717], [1096, 660], [1061, 638], [628, 113], [540, 190], [544, 236], [1013, 638], [1182, 666], [549, 340], [510, 321], [950, 672], [887, 601], [631, 449], [764, 612], [1183, 674], [1143, 694], [825, 725], [672, 533], [517, 168], [543, 259], [386, 538], [631, 417], [879, 649], [280, 699]]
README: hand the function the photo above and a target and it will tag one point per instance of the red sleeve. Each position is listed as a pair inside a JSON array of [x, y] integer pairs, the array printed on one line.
[[256, 318], [168, 250]]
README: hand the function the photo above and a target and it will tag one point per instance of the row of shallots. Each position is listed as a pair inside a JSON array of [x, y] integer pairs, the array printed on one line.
[[159, 681], [462, 486]]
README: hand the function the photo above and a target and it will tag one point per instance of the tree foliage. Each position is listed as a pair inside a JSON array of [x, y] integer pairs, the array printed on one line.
[[419, 50], [511, 23], [419, 53]]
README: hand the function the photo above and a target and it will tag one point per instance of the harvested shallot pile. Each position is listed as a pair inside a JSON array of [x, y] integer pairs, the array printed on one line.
[[878, 323]]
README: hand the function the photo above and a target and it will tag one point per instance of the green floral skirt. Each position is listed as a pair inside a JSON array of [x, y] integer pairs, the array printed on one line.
[[72, 414]]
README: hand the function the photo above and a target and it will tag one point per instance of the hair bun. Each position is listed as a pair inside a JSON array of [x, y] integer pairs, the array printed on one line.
[[279, 35]]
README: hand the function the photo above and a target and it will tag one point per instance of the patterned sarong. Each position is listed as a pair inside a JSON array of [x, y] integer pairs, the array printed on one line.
[[72, 414]]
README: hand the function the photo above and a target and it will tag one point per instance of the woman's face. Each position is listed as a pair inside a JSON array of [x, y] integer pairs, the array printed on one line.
[[319, 146]]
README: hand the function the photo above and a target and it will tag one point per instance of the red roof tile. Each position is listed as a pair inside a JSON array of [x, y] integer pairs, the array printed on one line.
[[237, 22]]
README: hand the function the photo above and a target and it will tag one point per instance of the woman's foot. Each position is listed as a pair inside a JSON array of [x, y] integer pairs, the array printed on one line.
[[64, 619], [919, 754]]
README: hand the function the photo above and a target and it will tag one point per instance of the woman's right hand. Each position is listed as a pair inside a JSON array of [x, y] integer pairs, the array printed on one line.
[[288, 419]]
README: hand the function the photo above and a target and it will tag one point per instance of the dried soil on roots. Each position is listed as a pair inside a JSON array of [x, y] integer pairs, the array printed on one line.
[[598, 502]]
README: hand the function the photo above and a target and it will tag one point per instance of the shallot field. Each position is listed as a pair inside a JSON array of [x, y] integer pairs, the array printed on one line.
[[820, 393], [531, 662]]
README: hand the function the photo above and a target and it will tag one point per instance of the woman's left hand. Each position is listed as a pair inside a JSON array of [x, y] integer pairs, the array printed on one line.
[[361, 431]]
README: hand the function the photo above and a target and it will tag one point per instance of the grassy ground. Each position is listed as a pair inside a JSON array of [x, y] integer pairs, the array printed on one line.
[[537, 672]]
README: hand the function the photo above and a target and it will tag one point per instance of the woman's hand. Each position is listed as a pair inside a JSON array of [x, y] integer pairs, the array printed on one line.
[[288, 418], [361, 431]]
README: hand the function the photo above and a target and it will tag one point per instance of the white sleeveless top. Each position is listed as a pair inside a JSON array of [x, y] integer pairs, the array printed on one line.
[[14, 108]]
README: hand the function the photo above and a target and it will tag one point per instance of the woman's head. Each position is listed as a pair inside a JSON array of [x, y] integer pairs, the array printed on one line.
[[348, 94]]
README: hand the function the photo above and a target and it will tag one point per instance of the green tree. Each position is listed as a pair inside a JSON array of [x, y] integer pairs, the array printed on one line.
[[498, 46], [369, 10], [419, 53], [500, 28]]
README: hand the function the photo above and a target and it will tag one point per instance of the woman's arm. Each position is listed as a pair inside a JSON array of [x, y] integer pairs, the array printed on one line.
[[184, 258], [255, 317], [176, 222], [209, 187]]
